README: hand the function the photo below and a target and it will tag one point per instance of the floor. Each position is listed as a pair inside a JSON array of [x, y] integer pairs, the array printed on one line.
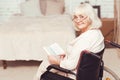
[[112, 60], [25, 70], [19, 70]]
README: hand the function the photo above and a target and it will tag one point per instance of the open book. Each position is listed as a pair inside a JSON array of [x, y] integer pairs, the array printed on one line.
[[54, 49]]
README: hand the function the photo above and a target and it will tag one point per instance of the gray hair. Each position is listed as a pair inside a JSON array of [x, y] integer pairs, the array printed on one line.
[[89, 11]]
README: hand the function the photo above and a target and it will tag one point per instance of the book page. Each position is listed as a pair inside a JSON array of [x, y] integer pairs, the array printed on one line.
[[49, 51], [57, 49], [54, 49]]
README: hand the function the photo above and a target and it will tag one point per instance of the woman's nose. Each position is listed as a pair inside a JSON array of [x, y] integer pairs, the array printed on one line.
[[77, 20]]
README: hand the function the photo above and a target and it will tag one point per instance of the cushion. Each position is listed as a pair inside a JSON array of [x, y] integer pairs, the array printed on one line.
[[54, 7], [43, 6], [31, 8]]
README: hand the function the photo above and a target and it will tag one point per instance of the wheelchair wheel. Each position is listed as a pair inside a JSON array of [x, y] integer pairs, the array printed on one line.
[[108, 74]]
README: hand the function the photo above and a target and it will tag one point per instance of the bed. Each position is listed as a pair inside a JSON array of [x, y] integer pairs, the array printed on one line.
[[23, 37]]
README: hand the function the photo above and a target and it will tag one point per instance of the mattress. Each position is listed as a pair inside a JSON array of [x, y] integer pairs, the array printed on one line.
[[23, 38]]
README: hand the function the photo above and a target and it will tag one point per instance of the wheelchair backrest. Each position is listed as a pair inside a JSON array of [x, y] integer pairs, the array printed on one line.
[[89, 65]]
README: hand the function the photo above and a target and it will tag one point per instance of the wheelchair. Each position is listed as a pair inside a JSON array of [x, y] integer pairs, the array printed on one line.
[[90, 67]]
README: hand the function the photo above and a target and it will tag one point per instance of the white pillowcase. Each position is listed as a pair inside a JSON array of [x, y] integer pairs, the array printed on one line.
[[54, 8], [31, 8]]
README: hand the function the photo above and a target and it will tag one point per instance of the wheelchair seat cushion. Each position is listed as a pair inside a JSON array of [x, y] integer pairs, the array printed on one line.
[[53, 76]]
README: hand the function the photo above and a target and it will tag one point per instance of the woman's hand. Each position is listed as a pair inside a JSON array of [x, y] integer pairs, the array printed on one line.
[[56, 59], [62, 56], [53, 59]]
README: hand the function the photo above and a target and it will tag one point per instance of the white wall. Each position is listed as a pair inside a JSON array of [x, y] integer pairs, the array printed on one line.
[[9, 7], [107, 6]]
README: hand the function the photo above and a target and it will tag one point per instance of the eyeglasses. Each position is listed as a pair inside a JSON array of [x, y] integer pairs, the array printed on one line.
[[79, 17]]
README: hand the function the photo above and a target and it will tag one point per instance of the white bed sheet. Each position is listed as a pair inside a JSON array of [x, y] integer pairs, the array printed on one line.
[[23, 38]]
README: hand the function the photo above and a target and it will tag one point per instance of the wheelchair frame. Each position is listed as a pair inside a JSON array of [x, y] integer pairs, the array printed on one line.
[[105, 68]]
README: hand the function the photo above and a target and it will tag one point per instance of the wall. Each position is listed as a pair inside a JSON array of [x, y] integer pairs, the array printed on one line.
[[9, 7], [107, 6]]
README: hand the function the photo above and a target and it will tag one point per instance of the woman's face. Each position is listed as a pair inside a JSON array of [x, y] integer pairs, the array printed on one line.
[[81, 21]]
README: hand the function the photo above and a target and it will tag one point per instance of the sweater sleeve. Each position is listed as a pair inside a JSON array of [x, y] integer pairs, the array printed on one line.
[[91, 41], [70, 62]]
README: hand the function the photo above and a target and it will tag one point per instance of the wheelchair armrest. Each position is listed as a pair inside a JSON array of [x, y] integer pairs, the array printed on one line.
[[95, 55], [57, 67]]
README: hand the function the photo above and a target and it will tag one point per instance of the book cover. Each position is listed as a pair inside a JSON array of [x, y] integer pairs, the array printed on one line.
[[54, 49]]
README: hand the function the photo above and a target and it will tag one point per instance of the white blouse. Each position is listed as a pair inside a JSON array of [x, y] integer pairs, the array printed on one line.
[[91, 40]]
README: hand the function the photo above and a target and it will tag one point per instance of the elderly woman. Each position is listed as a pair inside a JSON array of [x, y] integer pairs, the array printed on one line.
[[85, 20]]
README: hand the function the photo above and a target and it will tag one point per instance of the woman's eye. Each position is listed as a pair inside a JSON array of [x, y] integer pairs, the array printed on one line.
[[81, 16], [75, 17]]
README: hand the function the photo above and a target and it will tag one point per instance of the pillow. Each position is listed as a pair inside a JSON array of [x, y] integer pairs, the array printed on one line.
[[31, 8], [54, 8], [43, 6]]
